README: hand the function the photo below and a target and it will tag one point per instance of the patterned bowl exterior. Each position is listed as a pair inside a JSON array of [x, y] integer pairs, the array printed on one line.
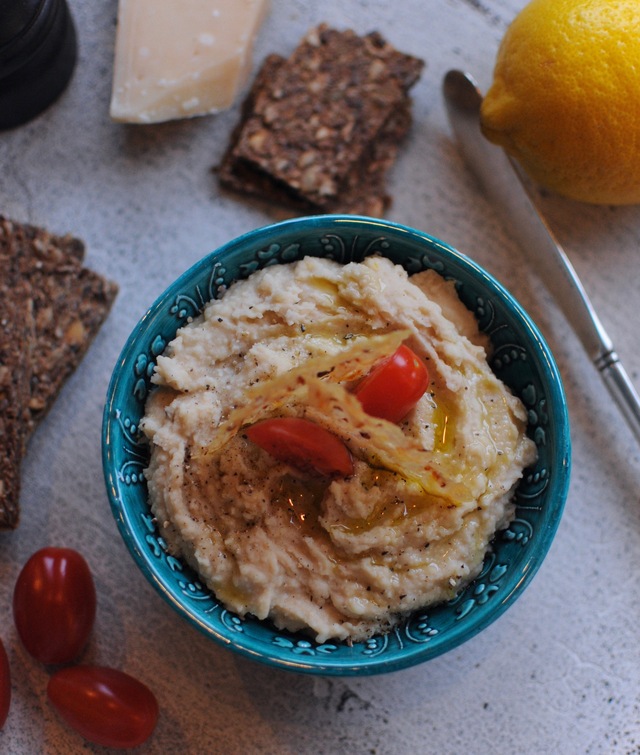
[[520, 358]]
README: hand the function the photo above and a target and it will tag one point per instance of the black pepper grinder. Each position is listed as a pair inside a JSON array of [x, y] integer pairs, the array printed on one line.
[[38, 51]]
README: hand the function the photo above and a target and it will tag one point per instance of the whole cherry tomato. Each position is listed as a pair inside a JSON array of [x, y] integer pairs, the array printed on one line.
[[54, 604], [303, 444], [5, 685], [106, 706], [394, 386]]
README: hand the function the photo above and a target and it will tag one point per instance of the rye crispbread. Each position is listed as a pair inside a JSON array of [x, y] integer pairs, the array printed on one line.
[[320, 129], [51, 309], [16, 328]]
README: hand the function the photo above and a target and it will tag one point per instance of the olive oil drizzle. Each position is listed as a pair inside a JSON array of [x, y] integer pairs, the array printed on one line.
[[302, 497], [387, 513]]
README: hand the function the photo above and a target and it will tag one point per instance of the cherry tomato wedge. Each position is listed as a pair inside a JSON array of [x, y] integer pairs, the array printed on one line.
[[303, 444], [54, 605], [5, 685], [106, 706], [394, 386]]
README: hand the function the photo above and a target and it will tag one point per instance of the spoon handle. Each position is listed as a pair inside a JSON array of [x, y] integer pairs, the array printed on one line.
[[501, 178]]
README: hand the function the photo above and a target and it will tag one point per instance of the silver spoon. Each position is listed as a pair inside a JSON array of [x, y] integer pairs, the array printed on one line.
[[501, 178]]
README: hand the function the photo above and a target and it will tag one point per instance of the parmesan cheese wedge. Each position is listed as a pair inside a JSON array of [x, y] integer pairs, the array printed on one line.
[[181, 58]]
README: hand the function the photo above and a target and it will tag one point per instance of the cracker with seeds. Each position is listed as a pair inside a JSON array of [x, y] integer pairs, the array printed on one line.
[[52, 308], [69, 304], [16, 329], [320, 129]]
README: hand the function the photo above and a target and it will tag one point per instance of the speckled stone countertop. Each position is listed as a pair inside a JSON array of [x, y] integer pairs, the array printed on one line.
[[559, 672]]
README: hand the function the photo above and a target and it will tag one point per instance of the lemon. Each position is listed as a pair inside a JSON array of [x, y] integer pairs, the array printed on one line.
[[565, 97]]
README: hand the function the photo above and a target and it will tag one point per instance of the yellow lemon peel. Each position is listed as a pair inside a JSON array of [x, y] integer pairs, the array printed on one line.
[[565, 98]]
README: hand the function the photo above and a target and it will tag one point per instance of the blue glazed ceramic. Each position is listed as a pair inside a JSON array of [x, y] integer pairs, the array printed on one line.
[[520, 358]]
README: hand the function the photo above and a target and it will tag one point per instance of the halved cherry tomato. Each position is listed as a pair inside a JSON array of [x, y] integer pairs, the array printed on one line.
[[106, 706], [394, 386], [303, 444], [54, 604], [5, 685]]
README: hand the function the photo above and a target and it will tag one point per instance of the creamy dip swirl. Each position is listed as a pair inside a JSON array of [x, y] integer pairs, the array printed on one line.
[[341, 558]]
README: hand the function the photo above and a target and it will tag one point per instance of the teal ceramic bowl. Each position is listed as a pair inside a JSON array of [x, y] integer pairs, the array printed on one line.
[[520, 358]]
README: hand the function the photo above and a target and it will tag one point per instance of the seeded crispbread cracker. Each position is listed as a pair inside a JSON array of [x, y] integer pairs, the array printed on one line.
[[16, 331], [364, 191], [70, 303], [320, 129], [69, 311], [46, 329]]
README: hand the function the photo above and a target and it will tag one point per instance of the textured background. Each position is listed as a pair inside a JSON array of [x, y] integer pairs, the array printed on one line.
[[559, 672]]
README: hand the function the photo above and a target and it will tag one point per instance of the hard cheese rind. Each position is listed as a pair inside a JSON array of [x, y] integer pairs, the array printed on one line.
[[181, 58]]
